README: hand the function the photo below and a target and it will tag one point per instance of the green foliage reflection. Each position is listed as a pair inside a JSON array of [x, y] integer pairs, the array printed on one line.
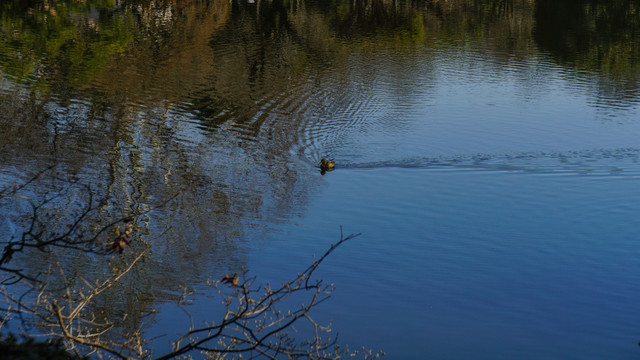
[[590, 34], [71, 40]]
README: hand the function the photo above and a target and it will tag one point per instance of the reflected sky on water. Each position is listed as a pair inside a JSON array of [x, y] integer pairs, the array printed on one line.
[[487, 152]]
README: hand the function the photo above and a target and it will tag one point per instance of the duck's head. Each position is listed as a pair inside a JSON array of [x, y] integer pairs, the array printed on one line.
[[327, 165]]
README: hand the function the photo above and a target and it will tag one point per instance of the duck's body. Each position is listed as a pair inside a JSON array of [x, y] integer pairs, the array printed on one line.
[[231, 279], [119, 244], [123, 240], [327, 165]]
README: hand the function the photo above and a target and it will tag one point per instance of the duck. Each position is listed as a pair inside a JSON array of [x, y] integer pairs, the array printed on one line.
[[327, 165], [232, 280], [122, 240], [119, 244]]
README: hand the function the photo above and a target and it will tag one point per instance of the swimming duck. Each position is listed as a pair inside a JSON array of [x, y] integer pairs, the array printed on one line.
[[122, 240], [232, 280], [327, 165], [119, 244]]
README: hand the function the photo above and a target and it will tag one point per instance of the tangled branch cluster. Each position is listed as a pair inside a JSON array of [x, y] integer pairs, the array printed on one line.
[[254, 325], [257, 320]]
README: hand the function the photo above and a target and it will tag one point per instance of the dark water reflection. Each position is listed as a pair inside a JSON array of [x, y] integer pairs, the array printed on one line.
[[486, 149]]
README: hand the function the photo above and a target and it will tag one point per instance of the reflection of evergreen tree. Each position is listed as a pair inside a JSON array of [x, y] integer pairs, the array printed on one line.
[[591, 34], [67, 39], [399, 22], [236, 71]]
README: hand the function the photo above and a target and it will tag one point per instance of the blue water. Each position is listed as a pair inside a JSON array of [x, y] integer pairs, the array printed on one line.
[[498, 218], [498, 212], [495, 187], [475, 263]]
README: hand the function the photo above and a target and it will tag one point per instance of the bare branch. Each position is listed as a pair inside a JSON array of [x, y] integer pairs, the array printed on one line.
[[255, 325]]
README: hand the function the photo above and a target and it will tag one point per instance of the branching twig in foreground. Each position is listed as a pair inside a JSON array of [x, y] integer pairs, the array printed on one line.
[[256, 322], [254, 327]]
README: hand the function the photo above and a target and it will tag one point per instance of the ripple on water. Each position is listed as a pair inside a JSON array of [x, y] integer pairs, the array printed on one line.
[[509, 250], [335, 110], [593, 162]]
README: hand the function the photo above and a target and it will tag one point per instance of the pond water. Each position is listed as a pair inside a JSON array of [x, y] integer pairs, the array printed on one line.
[[487, 152]]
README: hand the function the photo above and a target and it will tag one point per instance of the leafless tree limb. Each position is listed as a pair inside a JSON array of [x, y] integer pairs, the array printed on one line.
[[41, 232], [257, 320], [254, 326]]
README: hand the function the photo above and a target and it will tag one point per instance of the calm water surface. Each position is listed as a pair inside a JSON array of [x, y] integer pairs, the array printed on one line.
[[487, 152]]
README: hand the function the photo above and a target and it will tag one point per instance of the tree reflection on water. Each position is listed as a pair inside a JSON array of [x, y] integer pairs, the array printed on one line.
[[226, 107]]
